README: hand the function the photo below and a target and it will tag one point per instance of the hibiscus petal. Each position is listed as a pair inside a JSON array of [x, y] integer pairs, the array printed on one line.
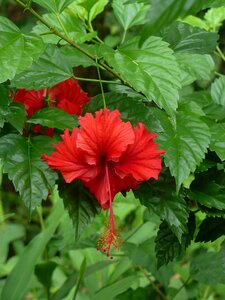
[[99, 187], [105, 136], [69, 160], [141, 159]]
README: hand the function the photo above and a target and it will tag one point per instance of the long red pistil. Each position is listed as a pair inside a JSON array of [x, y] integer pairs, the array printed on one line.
[[109, 236]]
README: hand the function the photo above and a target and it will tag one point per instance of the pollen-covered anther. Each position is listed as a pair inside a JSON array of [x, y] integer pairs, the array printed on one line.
[[110, 237]]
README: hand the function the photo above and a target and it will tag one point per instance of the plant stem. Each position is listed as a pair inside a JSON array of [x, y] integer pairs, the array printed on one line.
[[182, 286], [69, 41], [102, 90], [95, 80], [155, 287], [2, 219], [220, 53]]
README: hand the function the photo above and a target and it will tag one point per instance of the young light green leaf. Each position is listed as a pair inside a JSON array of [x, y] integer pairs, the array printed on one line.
[[54, 118], [151, 69], [164, 12], [29, 173], [56, 6], [29, 258], [195, 67], [218, 91], [185, 140], [51, 68], [28, 48], [184, 38], [128, 14], [214, 18]]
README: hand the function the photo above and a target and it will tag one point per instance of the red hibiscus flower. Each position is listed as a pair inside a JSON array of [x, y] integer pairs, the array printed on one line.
[[31, 99], [69, 96], [109, 156]]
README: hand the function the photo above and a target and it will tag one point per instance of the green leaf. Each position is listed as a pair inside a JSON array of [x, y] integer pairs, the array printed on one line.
[[185, 140], [65, 23], [111, 291], [160, 198], [51, 68], [213, 3], [9, 233], [195, 67], [95, 7], [211, 229], [28, 48], [29, 173], [157, 74], [218, 91], [77, 58], [130, 15], [215, 262], [82, 206], [164, 12], [218, 139], [184, 38], [209, 189], [54, 118], [29, 257], [11, 112], [130, 106], [16, 116], [167, 245], [214, 18], [56, 6], [44, 272]]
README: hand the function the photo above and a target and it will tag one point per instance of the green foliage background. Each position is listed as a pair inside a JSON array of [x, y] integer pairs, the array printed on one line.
[[162, 63]]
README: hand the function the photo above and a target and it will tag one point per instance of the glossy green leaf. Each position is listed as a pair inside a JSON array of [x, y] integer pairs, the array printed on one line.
[[213, 3], [128, 14], [218, 139], [184, 38], [210, 229], [16, 116], [66, 24], [29, 258], [12, 112], [51, 68], [195, 67], [218, 91], [28, 48], [151, 69], [56, 6], [21, 158], [167, 245], [160, 198], [54, 118], [185, 140], [77, 58], [82, 205], [215, 262], [164, 12], [209, 189]]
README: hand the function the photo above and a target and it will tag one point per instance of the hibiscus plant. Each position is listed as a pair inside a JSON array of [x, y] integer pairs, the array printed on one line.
[[112, 138]]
